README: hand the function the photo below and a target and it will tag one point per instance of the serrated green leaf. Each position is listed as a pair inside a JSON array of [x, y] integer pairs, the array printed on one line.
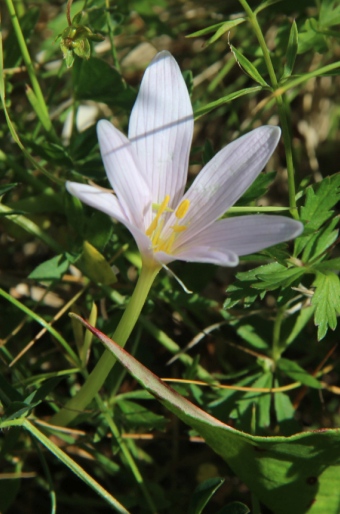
[[330, 265], [293, 370], [248, 67], [53, 269], [306, 463], [319, 242], [224, 100], [292, 49], [326, 300], [275, 275], [309, 38], [203, 493], [329, 13], [319, 201]]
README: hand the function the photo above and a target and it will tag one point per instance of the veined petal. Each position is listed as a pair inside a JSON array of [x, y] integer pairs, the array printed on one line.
[[209, 254], [108, 203], [95, 197], [244, 235], [123, 171], [161, 128], [226, 177]]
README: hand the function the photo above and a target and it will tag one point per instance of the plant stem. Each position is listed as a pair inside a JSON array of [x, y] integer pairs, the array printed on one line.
[[43, 111], [103, 367], [282, 108], [277, 348], [111, 36]]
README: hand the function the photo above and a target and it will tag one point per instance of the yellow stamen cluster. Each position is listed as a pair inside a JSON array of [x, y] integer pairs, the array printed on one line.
[[155, 228]]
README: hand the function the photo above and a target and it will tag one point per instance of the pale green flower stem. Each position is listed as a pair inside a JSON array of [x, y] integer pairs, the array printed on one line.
[[282, 105], [98, 375]]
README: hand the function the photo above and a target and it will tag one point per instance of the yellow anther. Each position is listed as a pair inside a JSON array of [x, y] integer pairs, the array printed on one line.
[[182, 209], [178, 228], [155, 229], [154, 222]]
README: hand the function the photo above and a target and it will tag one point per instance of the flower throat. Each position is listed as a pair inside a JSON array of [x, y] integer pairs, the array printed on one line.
[[154, 231]]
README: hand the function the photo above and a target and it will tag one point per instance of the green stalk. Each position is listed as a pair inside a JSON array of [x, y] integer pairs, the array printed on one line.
[[282, 108], [103, 367], [111, 36], [277, 347], [42, 111]]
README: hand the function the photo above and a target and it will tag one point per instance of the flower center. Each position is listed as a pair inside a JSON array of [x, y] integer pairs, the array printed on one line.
[[154, 231]]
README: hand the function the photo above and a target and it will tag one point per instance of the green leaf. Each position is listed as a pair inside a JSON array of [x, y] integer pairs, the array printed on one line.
[[329, 13], [302, 319], [99, 230], [247, 332], [203, 493], [326, 300], [310, 39], [319, 201], [319, 242], [291, 51], [52, 152], [53, 269], [293, 370], [224, 100], [137, 416], [248, 67], [262, 402], [17, 410], [95, 266], [330, 265], [258, 188], [287, 474], [7, 187], [275, 275], [283, 407], [97, 80], [218, 28], [225, 27]]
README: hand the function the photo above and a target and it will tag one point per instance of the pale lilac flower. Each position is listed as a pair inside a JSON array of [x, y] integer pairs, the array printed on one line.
[[148, 173]]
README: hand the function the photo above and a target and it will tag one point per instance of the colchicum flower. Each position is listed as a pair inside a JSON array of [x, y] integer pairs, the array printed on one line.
[[148, 173]]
